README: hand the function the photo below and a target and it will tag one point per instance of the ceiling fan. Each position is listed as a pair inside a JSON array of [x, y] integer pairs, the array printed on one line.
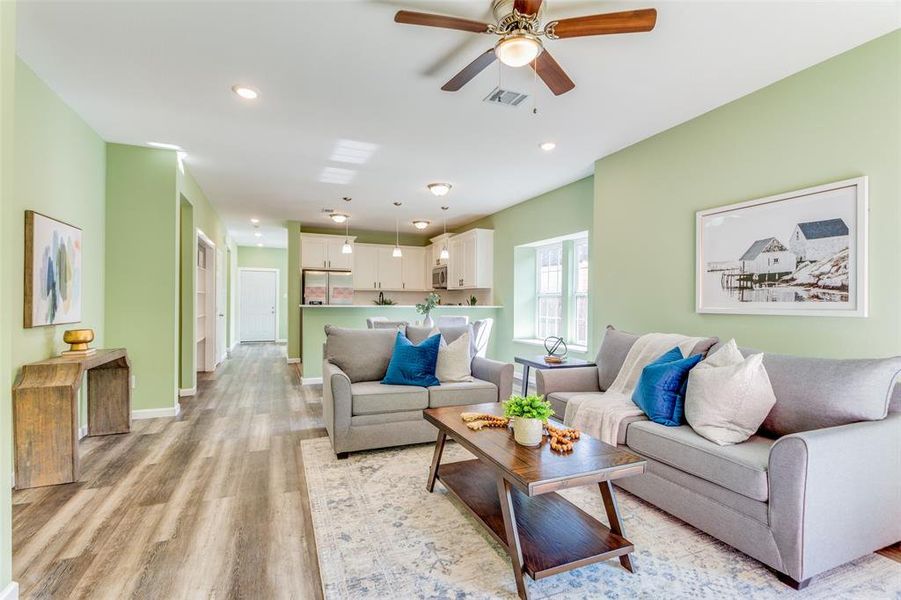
[[519, 27]]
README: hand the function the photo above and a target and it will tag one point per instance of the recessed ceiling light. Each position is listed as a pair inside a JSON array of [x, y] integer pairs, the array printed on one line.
[[439, 189], [337, 175], [338, 217], [259, 245], [164, 146], [248, 93], [547, 146], [254, 220], [257, 234], [420, 224]]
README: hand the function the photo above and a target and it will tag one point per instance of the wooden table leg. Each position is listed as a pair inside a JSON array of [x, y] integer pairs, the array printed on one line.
[[616, 523], [436, 460], [513, 547]]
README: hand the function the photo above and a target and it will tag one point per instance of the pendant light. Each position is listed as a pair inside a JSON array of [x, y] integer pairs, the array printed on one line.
[[444, 253], [346, 248], [396, 253]]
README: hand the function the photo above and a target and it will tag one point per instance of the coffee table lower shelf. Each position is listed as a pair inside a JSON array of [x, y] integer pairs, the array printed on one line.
[[555, 535]]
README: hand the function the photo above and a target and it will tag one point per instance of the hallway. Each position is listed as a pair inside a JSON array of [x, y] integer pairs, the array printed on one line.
[[210, 504]]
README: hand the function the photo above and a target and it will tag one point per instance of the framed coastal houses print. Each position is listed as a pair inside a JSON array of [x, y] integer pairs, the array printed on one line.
[[799, 253], [52, 271]]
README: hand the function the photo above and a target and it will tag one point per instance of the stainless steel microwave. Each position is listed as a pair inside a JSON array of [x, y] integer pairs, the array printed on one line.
[[439, 277]]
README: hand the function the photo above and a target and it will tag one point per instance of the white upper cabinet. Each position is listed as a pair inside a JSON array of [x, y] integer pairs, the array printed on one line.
[[366, 267], [324, 252], [471, 260], [414, 267], [391, 269]]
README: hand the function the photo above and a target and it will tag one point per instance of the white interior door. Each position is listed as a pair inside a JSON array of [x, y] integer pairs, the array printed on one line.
[[221, 301], [258, 301]]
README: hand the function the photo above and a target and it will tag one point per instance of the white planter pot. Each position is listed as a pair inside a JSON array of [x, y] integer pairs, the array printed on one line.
[[527, 432]]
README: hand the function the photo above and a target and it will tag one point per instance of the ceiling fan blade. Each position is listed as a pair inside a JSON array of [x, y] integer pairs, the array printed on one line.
[[409, 17], [527, 7], [630, 21], [470, 71], [552, 73]]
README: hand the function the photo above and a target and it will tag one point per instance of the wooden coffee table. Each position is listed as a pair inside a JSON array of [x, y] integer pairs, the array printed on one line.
[[508, 483]]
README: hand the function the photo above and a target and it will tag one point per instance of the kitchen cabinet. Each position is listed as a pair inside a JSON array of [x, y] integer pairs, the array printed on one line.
[[414, 267], [366, 267], [391, 269], [324, 252], [471, 261]]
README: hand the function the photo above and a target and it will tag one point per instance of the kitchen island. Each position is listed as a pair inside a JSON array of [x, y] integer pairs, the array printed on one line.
[[314, 318]]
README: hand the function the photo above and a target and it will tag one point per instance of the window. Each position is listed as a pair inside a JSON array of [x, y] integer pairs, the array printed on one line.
[[579, 332], [550, 290]]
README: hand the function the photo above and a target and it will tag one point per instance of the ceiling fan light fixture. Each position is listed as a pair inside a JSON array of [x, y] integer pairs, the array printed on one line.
[[338, 217], [439, 189], [518, 49], [421, 224]]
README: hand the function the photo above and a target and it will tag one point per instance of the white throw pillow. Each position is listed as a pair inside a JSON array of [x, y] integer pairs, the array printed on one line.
[[728, 396], [454, 360]]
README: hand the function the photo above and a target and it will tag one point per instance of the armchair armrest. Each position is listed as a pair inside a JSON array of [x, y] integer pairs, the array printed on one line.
[[496, 372], [336, 404], [577, 379], [835, 493]]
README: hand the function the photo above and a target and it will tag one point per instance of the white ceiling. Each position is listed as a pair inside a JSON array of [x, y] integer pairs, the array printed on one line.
[[343, 70]]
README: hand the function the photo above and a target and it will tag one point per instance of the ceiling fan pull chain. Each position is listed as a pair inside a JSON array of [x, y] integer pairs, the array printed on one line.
[[535, 88]]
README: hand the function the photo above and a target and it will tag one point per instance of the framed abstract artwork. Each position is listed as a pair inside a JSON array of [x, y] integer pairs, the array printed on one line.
[[53, 277], [801, 253]]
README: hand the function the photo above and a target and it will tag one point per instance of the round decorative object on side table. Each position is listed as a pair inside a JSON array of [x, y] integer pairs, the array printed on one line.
[[78, 340], [555, 354]]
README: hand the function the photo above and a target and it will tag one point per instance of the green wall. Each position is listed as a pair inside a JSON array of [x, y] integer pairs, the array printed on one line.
[[315, 320], [7, 194], [142, 288], [836, 120], [270, 258], [364, 236], [563, 211]]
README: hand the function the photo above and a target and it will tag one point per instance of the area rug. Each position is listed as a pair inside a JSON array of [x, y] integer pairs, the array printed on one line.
[[379, 534]]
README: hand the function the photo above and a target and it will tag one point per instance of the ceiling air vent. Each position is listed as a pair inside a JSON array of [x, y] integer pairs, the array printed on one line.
[[505, 97]]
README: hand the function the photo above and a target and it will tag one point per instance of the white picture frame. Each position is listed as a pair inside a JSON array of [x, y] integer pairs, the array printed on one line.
[[782, 272]]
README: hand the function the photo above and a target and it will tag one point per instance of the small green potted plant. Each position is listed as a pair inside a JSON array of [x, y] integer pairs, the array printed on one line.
[[529, 414], [424, 308]]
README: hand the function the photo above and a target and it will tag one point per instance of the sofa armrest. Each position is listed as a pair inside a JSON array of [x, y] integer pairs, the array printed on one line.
[[336, 404], [835, 493], [497, 372], [577, 379]]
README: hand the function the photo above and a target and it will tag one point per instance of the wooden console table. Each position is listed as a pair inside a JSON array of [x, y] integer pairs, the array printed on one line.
[[45, 412]]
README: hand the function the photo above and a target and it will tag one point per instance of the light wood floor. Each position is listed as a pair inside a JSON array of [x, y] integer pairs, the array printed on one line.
[[210, 505]]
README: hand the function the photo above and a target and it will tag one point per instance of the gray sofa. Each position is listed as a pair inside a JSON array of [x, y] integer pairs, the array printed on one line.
[[818, 485], [361, 413]]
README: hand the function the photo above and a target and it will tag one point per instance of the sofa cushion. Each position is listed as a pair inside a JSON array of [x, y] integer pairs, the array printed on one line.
[[741, 468], [363, 354], [559, 400], [813, 393], [375, 397], [459, 393], [660, 392], [413, 364], [615, 347]]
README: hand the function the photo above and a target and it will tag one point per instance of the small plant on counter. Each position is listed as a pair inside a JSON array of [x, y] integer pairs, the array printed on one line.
[[528, 407], [424, 308], [383, 301], [472, 301]]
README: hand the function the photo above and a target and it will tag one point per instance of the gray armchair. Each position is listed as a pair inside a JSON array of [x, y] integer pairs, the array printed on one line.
[[361, 413]]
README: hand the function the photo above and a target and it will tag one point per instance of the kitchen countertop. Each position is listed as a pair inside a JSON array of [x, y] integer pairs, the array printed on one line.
[[388, 306]]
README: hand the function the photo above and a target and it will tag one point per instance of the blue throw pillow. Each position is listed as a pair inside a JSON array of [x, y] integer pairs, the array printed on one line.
[[660, 392], [413, 364]]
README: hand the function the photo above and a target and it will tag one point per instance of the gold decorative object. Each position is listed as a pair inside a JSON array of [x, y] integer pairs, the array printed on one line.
[[78, 340]]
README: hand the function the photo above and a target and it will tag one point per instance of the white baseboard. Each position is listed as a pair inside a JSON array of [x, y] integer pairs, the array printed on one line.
[[82, 431], [11, 592], [155, 413], [182, 392], [310, 380], [293, 361]]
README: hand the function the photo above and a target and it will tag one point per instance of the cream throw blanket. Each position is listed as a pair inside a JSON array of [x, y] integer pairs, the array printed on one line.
[[600, 415]]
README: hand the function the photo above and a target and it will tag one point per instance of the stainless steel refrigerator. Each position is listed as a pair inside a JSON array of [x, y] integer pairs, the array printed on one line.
[[328, 287]]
